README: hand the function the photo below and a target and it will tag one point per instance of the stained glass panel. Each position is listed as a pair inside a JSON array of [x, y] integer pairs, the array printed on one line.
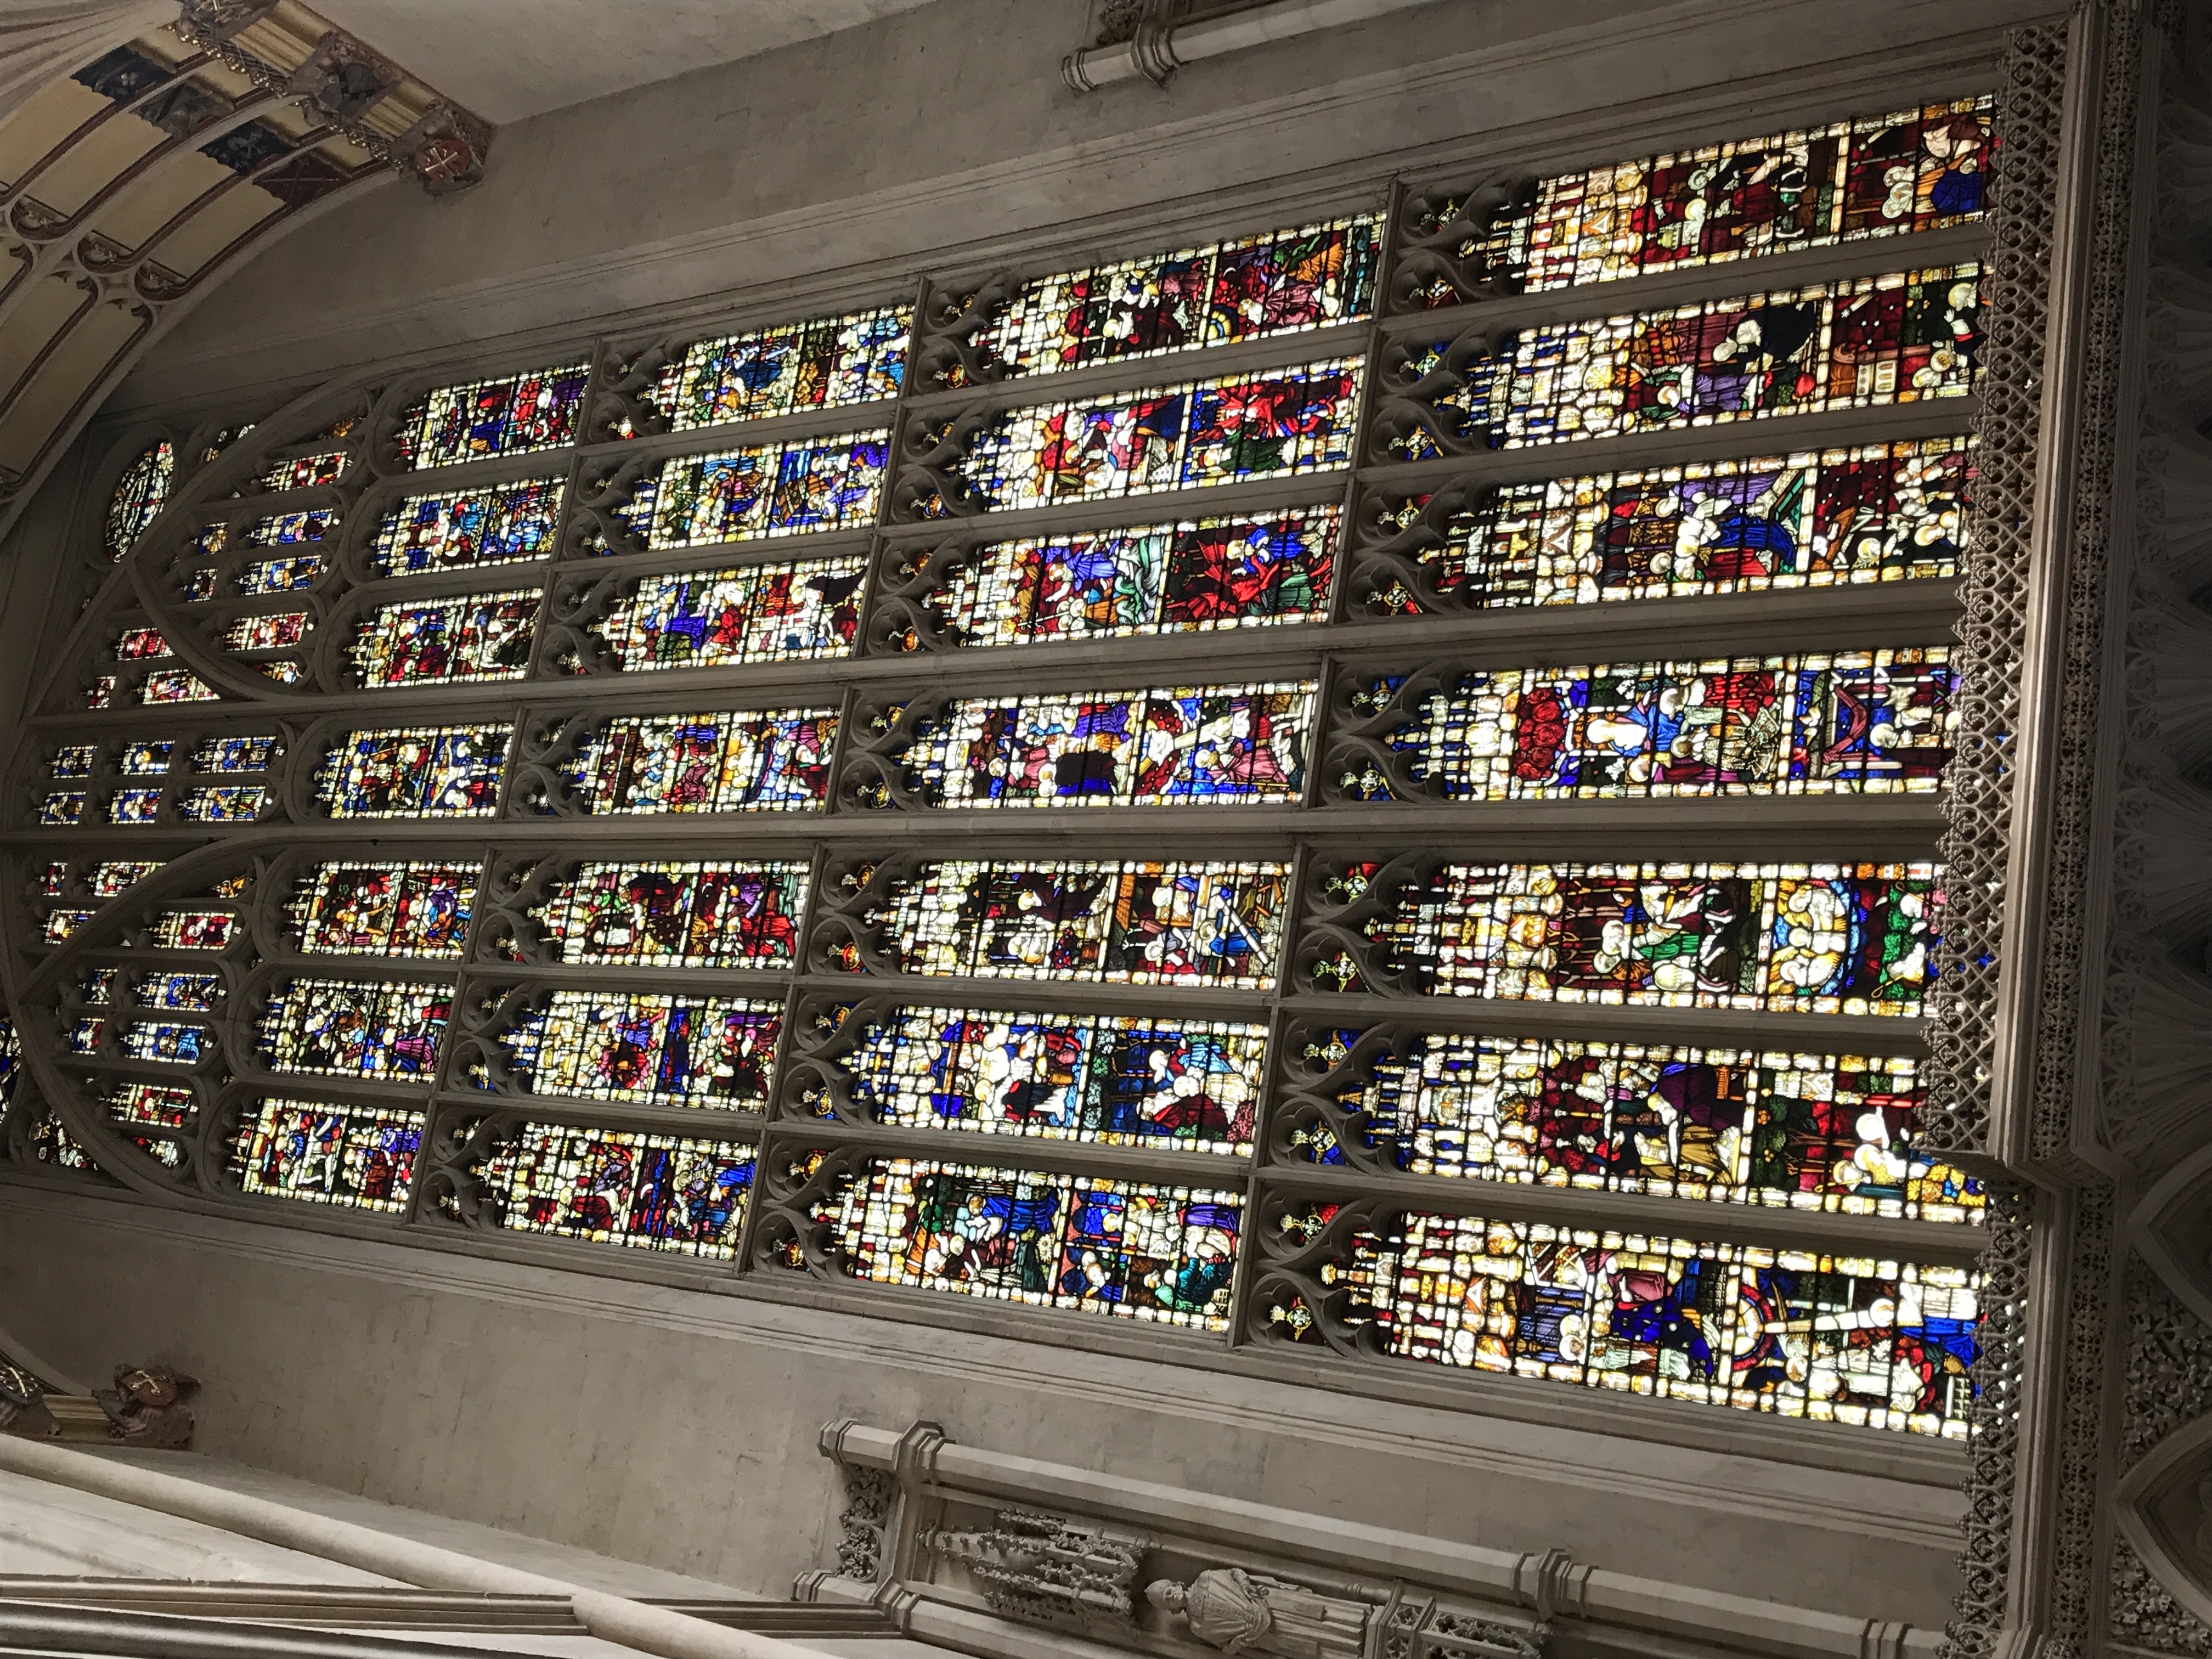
[[190, 993], [299, 472], [1819, 938], [1122, 1247], [748, 761], [496, 524], [279, 575], [1271, 424], [144, 759], [416, 772], [286, 528], [619, 1187], [651, 1047], [828, 362], [1915, 170], [786, 488], [356, 1028], [1816, 519], [140, 494], [74, 760], [362, 1157], [193, 929], [153, 1106], [400, 909], [236, 804], [513, 415], [245, 754], [162, 1040], [1283, 281], [1832, 1338], [115, 876], [133, 806], [62, 808], [1845, 722], [1103, 1079], [270, 632], [1150, 579], [1107, 922], [679, 914], [476, 636], [1830, 1133], [757, 613], [174, 685]]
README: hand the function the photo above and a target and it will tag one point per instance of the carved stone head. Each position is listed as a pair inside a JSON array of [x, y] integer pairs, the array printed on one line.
[[1167, 1595]]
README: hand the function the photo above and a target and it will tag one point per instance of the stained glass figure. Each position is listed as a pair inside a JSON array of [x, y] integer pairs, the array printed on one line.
[[60, 924], [325, 1152], [413, 772], [101, 693], [235, 804], [193, 929], [1270, 424], [62, 808], [140, 494], [1844, 722], [278, 575], [115, 876], [476, 636], [496, 524], [651, 1192], [678, 915], [153, 1106], [1898, 339], [299, 472], [286, 528], [756, 613], [418, 908], [746, 761], [1834, 1132], [223, 439], [1103, 1079], [188, 992], [828, 362], [246, 754], [650, 1047], [1195, 574], [1109, 923], [1914, 170], [1816, 519], [1283, 281], [74, 760], [138, 644], [1122, 1247], [270, 632], [356, 1028], [51, 1143], [1168, 746], [133, 806], [1832, 1338], [1821, 938], [164, 1042], [786, 488], [174, 685], [513, 415], [144, 759]]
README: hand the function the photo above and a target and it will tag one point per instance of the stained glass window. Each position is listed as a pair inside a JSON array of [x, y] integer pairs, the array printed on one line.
[[759, 613], [115, 876], [153, 1106], [679, 914], [286, 528], [1917, 169], [651, 1047], [416, 772], [1797, 1334], [1174, 746], [618, 1186], [244, 754], [509, 417], [134, 644], [133, 805], [144, 759], [497, 524], [223, 439], [140, 494], [1830, 1133], [192, 992], [299, 472], [401, 909], [1124, 1248], [162, 1040], [1148, 579], [826, 363], [477, 636], [174, 685], [193, 929], [271, 631], [362, 1157], [1845, 722], [356, 1028], [1103, 1079], [752, 761], [62, 808], [786, 488], [236, 804], [73, 760], [1281, 282], [1815, 519], [1807, 937], [1111, 923], [279, 575], [1272, 424]]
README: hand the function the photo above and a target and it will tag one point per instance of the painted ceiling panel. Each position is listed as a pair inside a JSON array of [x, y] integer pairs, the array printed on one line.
[[33, 322], [61, 381], [141, 207], [42, 121], [214, 226]]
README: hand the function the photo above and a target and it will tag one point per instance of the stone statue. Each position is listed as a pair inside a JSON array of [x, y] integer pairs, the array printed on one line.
[[23, 1403], [1046, 1569], [1241, 1612], [148, 1406]]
